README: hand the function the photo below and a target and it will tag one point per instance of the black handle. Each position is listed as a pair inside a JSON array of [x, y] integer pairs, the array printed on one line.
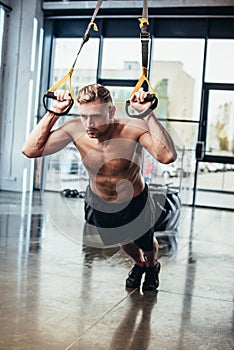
[[50, 94], [148, 98]]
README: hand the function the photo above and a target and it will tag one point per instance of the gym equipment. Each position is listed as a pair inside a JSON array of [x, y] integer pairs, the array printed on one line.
[[50, 93], [168, 203], [145, 38], [68, 193]]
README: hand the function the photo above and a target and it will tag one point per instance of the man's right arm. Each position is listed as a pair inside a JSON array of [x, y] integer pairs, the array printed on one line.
[[43, 141]]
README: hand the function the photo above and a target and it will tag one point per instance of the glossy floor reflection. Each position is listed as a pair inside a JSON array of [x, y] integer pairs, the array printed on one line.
[[57, 294]]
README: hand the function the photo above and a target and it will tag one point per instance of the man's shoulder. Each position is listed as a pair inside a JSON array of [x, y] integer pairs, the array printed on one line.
[[139, 125], [73, 126], [71, 123]]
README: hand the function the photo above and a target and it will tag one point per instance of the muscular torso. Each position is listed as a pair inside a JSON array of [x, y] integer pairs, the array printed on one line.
[[114, 165]]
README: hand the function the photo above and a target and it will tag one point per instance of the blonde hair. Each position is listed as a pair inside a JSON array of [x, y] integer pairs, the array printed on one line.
[[92, 92]]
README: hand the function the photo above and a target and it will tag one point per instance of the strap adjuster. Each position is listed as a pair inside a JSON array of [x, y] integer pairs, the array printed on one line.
[[143, 21]]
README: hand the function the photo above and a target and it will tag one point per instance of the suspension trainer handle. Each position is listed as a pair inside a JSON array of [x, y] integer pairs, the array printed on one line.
[[51, 95], [145, 38], [151, 97]]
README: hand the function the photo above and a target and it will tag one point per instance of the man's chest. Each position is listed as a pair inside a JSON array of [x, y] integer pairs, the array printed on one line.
[[110, 157]]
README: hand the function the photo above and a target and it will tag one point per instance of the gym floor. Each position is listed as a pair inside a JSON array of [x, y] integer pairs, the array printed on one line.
[[57, 293]]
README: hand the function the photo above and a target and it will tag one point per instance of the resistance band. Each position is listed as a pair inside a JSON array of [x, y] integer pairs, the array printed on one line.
[[50, 92], [145, 38]]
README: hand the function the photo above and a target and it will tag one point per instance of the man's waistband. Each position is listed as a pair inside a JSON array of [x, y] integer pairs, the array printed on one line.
[[101, 204]]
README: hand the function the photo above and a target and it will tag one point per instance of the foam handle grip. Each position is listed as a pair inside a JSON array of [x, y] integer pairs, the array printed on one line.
[[149, 98], [50, 94]]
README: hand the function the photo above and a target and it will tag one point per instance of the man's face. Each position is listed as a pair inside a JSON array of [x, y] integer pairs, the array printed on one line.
[[96, 117]]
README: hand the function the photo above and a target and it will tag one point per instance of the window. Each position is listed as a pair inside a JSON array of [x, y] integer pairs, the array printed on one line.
[[120, 95], [215, 184], [220, 129], [176, 75], [86, 66], [2, 27], [2, 22], [176, 70], [66, 165], [121, 59], [220, 58]]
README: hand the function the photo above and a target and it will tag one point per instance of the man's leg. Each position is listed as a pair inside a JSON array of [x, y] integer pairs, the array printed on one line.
[[142, 258], [135, 275], [151, 282], [135, 253], [145, 262], [151, 256]]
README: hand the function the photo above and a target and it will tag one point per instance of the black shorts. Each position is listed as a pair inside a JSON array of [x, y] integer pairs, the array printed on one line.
[[122, 223]]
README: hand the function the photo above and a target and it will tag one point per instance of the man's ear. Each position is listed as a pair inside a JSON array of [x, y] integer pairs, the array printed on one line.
[[112, 111]]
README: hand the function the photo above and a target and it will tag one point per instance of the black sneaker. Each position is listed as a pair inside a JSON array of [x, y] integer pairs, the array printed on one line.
[[134, 277], [151, 278]]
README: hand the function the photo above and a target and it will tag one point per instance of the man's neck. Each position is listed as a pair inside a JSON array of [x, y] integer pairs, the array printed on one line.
[[107, 135]]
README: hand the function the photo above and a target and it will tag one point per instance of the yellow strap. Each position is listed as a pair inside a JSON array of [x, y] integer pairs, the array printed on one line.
[[69, 74], [95, 27], [61, 81], [144, 77], [143, 21]]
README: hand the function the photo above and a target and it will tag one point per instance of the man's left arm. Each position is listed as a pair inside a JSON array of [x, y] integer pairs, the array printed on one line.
[[158, 141], [155, 137]]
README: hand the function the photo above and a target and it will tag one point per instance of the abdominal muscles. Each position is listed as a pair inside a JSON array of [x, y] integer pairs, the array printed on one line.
[[117, 180]]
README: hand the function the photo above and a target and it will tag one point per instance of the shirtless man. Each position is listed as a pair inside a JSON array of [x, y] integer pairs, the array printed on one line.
[[111, 151]]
